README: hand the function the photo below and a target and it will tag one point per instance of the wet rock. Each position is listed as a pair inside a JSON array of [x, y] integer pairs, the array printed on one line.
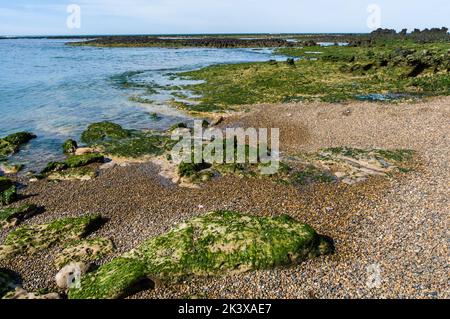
[[69, 146], [73, 161], [101, 131], [11, 143]]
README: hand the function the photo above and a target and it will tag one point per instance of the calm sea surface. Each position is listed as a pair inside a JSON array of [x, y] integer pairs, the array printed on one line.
[[55, 90]]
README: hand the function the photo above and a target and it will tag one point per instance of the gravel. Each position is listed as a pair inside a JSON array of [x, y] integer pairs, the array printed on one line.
[[397, 226]]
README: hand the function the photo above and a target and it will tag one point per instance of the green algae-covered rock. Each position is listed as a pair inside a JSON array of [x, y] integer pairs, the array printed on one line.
[[115, 141], [222, 242], [19, 138], [74, 161], [69, 146], [101, 131], [8, 191], [115, 279], [88, 250], [12, 216], [11, 143], [31, 238], [74, 174]]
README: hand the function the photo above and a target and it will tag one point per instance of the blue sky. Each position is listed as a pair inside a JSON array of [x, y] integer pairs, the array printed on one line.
[[48, 17]]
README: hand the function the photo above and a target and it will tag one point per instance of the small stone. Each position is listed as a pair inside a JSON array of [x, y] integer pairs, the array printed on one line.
[[70, 274], [108, 165]]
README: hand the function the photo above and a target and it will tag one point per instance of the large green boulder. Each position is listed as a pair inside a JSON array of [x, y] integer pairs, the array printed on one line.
[[101, 131], [218, 243], [29, 239]]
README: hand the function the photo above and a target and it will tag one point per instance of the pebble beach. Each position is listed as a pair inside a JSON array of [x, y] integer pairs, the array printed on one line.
[[397, 227]]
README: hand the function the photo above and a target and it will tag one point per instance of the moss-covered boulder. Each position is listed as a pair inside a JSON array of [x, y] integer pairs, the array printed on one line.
[[32, 238], [11, 143], [85, 251], [115, 141], [69, 146], [10, 217], [98, 132], [73, 161], [218, 243]]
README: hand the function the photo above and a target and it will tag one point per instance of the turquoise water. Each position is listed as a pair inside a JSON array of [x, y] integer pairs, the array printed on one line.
[[55, 90]]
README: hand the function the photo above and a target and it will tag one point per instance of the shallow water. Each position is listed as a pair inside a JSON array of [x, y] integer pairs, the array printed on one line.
[[55, 90]]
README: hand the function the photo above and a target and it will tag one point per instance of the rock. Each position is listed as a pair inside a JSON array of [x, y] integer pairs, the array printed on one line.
[[73, 161], [10, 217], [86, 251], [11, 168], [11, 143], [70, 146], [350, 165], [108, 165], [31, 238], [20, 293], [70, 275], [111, 139], [215, 244], [98, 132], [8, 196]]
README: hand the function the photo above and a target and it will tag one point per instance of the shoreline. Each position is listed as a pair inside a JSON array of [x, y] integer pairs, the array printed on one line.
[[396, 208]]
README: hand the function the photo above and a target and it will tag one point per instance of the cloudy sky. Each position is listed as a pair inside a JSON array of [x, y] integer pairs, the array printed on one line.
[[49, 17]]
